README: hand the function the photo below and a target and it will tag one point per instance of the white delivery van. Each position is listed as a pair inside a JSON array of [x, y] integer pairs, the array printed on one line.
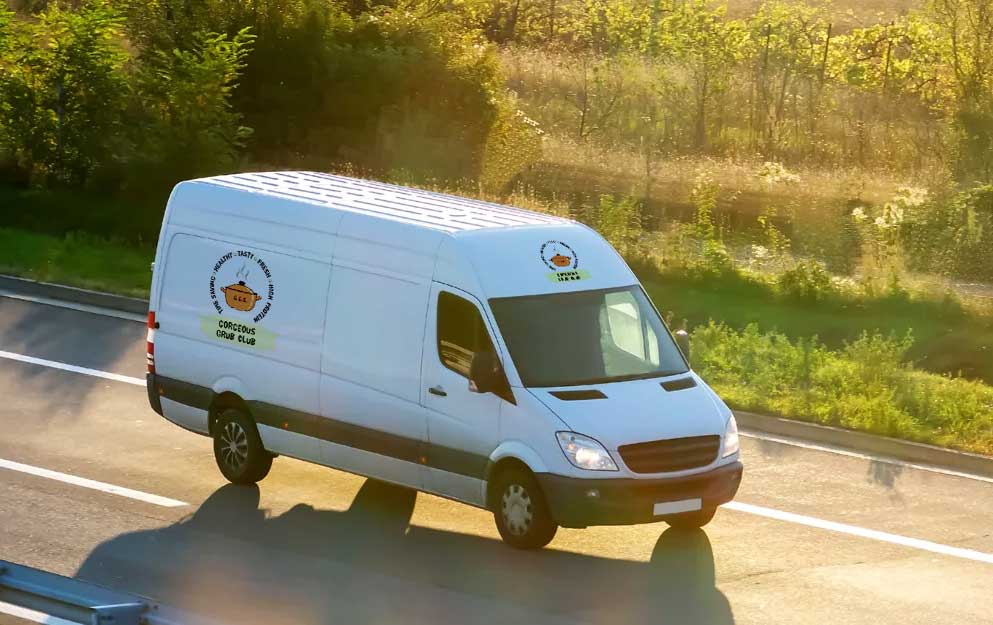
[[503, 358]]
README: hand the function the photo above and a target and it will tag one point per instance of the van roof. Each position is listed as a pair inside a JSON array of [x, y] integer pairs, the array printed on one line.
[[427, 209]]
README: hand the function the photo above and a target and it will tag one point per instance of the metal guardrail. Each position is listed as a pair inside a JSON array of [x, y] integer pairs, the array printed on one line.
[[66, 598], [81, 602]]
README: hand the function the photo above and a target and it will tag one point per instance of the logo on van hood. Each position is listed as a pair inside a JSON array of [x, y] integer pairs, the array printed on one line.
[[563, 261], [233, 284]]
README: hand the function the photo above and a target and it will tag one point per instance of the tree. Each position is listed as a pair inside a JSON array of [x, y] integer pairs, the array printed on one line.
[[63, 88], [787, 47], [708, 46], [185, 126], [599, 90], [967, 28]]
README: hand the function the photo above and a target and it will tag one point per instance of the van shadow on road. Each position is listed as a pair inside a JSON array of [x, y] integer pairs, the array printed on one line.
[[367, 564]]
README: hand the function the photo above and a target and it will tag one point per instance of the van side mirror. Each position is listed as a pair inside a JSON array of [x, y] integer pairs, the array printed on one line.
[[683, 342], [485, 373]]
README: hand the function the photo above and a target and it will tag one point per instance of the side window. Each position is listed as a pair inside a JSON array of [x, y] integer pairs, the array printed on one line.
[[627, 331], [461, 332]]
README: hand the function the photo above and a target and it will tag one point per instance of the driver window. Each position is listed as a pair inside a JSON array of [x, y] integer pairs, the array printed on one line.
[[627, 330], [461, 332]]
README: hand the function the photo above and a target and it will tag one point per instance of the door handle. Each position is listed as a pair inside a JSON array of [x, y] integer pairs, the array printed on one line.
[[437, 390]]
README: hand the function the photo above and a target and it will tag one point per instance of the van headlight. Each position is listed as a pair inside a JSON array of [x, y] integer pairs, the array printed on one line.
[[584, 452], [731, 444]]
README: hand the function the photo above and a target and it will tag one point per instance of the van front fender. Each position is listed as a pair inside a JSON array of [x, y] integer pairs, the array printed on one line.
[[518, 451]]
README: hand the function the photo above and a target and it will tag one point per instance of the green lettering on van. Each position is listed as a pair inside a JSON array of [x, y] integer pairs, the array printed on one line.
[[568, 276], [238, 333]]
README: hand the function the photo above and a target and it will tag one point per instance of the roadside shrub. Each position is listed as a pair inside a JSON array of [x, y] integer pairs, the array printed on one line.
[[618, 220], [807, 281], [512, 146], [953, 235], [866, 385]]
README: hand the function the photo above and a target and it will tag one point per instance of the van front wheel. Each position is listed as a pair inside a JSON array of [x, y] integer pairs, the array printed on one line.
[[238, 449], [521, 514]]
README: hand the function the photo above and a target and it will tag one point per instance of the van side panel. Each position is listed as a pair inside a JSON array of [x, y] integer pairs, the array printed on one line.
[[238, 317], [373, 423], [375, 327]]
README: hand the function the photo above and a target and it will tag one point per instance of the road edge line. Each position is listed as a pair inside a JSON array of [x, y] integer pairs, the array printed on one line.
[[874, 444]]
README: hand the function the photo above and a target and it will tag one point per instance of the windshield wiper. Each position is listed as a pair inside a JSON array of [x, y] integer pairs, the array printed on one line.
[[620, 378]]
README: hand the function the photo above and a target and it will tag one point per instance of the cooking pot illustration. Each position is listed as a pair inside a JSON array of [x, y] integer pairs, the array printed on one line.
[[560, 261], [240, 297]]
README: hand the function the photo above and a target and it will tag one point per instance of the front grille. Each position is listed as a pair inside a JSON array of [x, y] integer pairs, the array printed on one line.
[[674, 454]]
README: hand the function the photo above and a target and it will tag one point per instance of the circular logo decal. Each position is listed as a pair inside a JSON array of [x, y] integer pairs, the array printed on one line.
[[558, 256], [242, 285]]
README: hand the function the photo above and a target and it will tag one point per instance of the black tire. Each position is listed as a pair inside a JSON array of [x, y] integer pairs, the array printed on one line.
[[691, 520], [238, 450], [520, 510]]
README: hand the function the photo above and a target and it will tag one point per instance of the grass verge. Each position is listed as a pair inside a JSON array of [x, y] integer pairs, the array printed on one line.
[[77, 260], [948, 338], [866, 385]]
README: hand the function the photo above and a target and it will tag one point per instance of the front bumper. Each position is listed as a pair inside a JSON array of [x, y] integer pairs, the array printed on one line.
[[626, 501]]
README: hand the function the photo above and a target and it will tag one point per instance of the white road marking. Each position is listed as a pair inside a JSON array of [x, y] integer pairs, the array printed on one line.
[[87, 308], [73, 368], [793, 442], [32, 615], [75, 480], [853, 530]]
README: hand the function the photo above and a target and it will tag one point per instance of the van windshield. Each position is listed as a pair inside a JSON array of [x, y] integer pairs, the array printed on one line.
[[586, 337]]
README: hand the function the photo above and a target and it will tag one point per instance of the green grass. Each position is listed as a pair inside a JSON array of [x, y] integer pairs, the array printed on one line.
[[60, 212], [866, 385], [77, 260], [947, 338]]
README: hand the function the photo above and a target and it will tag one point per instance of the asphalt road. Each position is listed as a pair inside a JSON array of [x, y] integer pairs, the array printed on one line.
[[313, 545]]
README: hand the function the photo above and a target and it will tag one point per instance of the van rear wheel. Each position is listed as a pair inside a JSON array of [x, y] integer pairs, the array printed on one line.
[[521, 514], [238, 450]]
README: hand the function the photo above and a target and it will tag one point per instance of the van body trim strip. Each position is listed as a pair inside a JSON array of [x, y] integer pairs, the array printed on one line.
[[335, 431]]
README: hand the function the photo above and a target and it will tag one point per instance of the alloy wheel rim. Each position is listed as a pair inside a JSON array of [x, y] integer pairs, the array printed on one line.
[[234, 445], [516, 509]]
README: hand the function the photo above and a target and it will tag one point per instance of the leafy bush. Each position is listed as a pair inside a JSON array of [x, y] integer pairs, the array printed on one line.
[[62, 91], [618, 220], [807, 281], [952, 234], [184, 124], [512, 146], [867, 385]]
